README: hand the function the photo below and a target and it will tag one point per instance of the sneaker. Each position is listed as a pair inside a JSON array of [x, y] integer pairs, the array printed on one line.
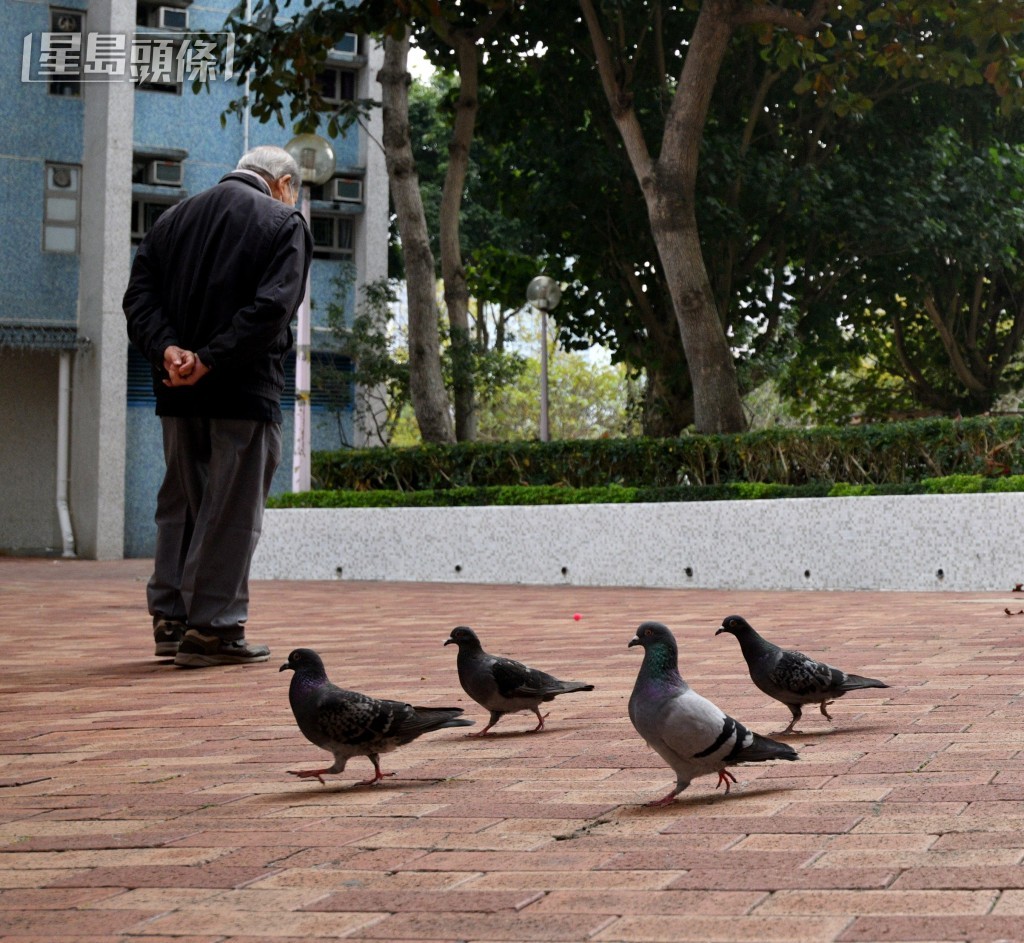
[[207, 651], [167, 635]]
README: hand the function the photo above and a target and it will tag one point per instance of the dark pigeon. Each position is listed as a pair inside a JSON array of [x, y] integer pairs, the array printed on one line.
[[349, 724], [792, 677], [504, 686], [686, 730]]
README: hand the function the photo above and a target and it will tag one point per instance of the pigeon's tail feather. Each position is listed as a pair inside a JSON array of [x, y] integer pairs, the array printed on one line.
[[570, 687], [762, 749], [437, 718], [856, 682], [555, 687]]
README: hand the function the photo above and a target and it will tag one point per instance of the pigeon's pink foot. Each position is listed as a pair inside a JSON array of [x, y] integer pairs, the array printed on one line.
[[664, 800], [480, 733], [724, 776], [540, 718], [374, 779], [309, 774]]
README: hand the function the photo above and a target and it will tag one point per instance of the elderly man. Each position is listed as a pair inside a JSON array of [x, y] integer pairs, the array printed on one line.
[[212, 292]]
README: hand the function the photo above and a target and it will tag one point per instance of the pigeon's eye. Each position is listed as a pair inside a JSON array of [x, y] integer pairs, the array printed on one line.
[[648, 632]]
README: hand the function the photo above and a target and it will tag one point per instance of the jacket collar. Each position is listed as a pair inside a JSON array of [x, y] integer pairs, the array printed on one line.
[[249, 177]]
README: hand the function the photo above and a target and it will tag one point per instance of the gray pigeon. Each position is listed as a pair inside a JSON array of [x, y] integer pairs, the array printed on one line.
[[792, 677], [502, 685], [349, 724], [686, 730]]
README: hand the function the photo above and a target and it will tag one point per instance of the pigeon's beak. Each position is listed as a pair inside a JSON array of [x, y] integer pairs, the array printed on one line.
[[635, 640], [720, 631], [449, 641], [284, 667]]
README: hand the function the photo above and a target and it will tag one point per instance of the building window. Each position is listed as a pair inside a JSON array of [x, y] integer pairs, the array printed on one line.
[[161, 16], [62, 204], [156, 187], [332, 236], [337, 85], [145, 213], [339, 190], [64, 47]]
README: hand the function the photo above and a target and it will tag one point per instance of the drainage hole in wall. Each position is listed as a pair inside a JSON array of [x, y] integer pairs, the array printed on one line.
[[940, 574], [337, 571], [458, 567], [807, 574], [565, 571], [688, 571]]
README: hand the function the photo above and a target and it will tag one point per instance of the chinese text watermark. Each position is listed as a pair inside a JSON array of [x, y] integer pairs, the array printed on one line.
[[166, 58]]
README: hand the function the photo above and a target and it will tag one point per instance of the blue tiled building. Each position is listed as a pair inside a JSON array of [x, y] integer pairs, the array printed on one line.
[[88, 160]]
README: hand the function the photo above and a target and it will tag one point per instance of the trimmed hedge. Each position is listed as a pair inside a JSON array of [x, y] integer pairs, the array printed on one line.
[[617, 494], [883, 454]]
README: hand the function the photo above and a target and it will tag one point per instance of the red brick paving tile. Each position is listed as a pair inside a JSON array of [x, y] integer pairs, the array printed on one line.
[[711, 903], [862, 902], [684, 859], [963, 841], [968, 878], [520, 928], [774, 824], [85, 922], [699, 929], [261, 923], [52, 898], [163, 876], [986, 929], [768, 880], [425, 901]]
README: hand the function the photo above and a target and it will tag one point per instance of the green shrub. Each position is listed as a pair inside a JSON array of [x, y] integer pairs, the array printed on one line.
[[883, 454], [617, 494]]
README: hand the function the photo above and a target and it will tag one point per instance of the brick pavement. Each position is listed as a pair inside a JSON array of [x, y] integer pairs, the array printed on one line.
[[143, 802]]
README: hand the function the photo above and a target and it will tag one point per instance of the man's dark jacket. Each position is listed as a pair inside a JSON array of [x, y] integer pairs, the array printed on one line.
[[222, 274]]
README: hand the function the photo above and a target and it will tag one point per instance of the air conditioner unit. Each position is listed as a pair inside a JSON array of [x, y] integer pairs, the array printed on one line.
[[347, 47], [345, 190], [170, 18], [166, 173]]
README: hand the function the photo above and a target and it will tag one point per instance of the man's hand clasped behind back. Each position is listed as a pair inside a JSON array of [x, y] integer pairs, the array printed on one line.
[[183, 367]]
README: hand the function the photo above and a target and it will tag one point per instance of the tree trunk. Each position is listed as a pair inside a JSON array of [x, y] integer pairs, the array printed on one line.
[[668, 399], [426, 384], [456, 291], [716, 400], [669, 187]]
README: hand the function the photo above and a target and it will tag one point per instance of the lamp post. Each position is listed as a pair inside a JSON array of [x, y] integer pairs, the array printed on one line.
[[315, 158], [543, 294]]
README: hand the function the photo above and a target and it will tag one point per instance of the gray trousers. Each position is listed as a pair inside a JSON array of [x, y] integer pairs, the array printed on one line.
[[209, 513]]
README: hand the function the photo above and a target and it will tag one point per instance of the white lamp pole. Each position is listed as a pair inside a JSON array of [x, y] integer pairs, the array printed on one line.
[[543, 294], [301, 457], [315, 158]]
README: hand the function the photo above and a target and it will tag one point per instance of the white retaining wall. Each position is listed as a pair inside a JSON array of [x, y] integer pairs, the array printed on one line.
[[920, 542]]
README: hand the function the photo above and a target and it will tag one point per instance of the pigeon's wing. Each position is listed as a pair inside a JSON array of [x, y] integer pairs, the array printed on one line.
[[517, 680], [355, 719], [688, 729], [798, 674]]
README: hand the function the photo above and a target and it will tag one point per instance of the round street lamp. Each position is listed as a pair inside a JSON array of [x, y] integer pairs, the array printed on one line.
[[315, 158], [543, 294]]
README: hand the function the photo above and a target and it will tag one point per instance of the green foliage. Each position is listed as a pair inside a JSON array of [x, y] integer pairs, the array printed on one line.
[[533, 495], [885, 454]]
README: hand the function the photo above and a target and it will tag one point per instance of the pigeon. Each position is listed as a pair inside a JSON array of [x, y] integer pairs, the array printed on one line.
[[686, 730], [349, 724], [792, 677], [502, 685]]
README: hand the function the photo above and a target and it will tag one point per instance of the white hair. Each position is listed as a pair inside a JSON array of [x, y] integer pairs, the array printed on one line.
[[271, 163]]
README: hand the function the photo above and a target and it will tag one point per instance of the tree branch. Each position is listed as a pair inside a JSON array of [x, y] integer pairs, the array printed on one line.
[[960, 368]]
